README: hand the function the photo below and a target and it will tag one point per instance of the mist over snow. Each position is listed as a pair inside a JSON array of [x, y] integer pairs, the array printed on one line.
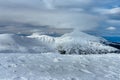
[[11, 43]]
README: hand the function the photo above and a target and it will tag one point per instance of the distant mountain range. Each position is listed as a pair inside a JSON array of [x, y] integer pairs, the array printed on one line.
[[70, 43], [77, 43]]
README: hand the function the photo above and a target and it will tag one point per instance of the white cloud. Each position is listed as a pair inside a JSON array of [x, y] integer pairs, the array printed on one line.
[[48, 4], [111, 28], [115, 11]]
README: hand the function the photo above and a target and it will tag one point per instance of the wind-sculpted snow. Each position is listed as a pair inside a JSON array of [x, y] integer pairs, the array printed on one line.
[[80, 43], [59, 67]]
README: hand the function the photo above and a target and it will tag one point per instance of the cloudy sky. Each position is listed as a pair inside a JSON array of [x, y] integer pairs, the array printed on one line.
[[101, 17]]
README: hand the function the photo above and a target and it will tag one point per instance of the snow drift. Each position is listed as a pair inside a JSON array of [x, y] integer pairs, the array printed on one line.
[[59, 67]]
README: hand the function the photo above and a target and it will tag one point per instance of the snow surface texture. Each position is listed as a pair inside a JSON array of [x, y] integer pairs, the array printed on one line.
[[51, 66]]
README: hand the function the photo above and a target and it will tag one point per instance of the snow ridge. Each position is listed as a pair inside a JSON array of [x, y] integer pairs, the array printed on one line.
[[43, 38]]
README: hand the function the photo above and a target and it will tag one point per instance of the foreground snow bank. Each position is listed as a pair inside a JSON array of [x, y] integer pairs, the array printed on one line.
[[53, 66]]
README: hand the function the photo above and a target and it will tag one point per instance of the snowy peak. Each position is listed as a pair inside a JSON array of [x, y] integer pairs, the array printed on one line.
[[83, 36], [82, 43], [43, 38]]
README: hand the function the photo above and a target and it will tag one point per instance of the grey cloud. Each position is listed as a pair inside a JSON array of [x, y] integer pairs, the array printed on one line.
[[50, 13], [44, 3], [55, 18], [114, 22], [54, 13]]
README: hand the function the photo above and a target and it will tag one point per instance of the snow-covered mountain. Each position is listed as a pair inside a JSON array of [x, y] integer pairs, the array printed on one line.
[[70, 43], [43, 38], [76, 43]]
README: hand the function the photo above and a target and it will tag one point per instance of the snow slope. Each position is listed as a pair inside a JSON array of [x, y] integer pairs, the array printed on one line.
[[51, 66]]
